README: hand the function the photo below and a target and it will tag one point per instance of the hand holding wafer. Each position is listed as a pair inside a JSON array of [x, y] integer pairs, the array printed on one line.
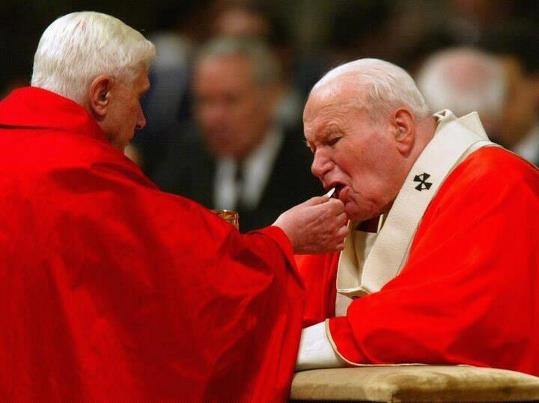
[[315, 226]]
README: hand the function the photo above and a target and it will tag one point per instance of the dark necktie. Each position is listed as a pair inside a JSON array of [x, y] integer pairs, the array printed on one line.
[[240, 183]]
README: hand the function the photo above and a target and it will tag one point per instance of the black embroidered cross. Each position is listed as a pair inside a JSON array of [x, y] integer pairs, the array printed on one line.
[[422, 179]]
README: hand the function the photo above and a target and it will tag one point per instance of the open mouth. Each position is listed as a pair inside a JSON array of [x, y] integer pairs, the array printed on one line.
[[335, 190], [338, 189]]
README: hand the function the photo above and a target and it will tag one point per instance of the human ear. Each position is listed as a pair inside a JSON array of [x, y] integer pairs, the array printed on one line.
[[403, 125], [99, 96]]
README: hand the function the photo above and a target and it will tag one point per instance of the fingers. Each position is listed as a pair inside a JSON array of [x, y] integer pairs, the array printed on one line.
[[336, 204], [334, 207], [317, 225], [340, 232], [313, 201], [343, 231], [341, 219]]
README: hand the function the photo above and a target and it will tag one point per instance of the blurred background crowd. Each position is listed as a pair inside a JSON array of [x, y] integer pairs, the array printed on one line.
[[231, 77]]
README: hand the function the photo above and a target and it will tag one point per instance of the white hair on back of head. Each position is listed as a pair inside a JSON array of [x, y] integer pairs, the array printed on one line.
[[386, 87], [463, 80], [80, 46]]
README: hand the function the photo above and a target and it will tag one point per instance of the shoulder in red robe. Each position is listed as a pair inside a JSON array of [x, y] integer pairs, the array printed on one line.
[[113, 290]]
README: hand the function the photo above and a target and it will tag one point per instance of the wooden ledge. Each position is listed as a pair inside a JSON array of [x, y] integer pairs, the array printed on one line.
[[415, 383]]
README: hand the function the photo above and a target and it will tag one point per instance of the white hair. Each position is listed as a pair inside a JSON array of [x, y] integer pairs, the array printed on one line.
[[463, 80], [387, 87], [78, 47]]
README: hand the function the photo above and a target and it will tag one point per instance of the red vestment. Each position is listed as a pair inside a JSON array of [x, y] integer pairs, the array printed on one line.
[[469, 291], [113, 290]]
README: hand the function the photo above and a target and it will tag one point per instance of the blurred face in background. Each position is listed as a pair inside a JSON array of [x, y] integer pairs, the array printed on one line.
[[233, 110], [521, 103]]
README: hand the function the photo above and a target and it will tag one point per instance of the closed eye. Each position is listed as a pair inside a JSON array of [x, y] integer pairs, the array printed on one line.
[[333, 141]]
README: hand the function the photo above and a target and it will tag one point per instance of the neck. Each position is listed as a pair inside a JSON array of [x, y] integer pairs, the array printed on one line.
[[424, 132], [425, 129]]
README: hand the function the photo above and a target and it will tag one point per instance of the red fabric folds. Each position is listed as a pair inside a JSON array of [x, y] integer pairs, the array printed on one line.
[[113, 290], [468, 292], [319, 275]]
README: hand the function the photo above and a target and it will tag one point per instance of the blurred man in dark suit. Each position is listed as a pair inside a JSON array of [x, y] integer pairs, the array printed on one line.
[[238, 157]]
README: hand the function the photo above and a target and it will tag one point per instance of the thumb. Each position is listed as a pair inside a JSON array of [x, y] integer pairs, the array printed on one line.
[[313, 201]]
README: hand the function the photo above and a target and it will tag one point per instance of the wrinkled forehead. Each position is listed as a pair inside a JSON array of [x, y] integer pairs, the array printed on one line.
[[327, 112], [332, 97]]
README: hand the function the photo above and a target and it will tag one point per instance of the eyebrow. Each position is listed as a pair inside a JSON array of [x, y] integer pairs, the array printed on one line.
[[331, 129], [325, 134]]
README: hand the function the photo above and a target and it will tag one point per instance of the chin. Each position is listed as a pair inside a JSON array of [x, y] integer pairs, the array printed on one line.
[[360, 216], [355, 216]]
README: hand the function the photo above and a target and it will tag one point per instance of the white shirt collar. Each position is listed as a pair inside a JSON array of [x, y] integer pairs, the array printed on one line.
[[257, 169], [528, 147]]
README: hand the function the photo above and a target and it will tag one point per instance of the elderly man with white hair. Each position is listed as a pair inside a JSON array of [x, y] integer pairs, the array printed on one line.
[[441, 263], [112, 289]]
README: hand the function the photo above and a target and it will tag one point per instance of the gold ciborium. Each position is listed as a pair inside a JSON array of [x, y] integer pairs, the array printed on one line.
[[230, 216]]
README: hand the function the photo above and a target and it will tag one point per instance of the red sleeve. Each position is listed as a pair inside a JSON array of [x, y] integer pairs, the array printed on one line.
[[468, 293], [279, 236], [113, 290], [318, 273]]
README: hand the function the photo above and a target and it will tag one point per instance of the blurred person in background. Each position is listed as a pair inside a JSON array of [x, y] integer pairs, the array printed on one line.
[[182, 26], [255, 19], [513, 44], [110, 288], [465, 80], [239, 156]]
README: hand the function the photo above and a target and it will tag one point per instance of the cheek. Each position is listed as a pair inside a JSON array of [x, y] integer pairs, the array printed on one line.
[[349, 165], [202, 116], [244, 110], [366, 187]]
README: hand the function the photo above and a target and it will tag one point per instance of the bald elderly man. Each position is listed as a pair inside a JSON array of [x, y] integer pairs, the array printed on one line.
[[440, 266]]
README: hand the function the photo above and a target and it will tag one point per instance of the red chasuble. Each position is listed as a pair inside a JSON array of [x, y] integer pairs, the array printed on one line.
[[113, 290], [469, 292]]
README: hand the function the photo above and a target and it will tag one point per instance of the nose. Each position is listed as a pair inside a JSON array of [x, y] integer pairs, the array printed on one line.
[[321, 164], [141, 120]]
